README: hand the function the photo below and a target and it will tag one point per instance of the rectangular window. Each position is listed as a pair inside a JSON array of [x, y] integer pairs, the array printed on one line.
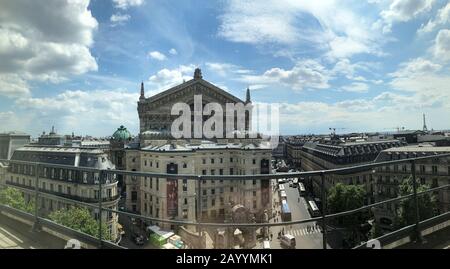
[[185, 188], [434, 169], [231, 171], [203, 172], [422, 169], [220, 171], [213, 202], [203, 161], [212, 160]]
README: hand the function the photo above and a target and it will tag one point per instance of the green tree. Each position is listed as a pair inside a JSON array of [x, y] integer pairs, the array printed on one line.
[[406, 214], [14, 198], [80, 219], [343, 197]]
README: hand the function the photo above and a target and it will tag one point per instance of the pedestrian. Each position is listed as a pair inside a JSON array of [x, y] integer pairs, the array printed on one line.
[[271, 236]]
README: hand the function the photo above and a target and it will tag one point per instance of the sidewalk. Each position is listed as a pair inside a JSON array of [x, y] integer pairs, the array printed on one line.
[[276, 217]]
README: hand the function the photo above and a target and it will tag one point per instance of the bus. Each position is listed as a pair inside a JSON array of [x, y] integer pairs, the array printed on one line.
[[285, 211], [283, 195], [301, 189], [313, 209]]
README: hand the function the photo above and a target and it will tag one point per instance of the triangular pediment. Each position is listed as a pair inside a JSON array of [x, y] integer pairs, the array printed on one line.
[[193, 87]]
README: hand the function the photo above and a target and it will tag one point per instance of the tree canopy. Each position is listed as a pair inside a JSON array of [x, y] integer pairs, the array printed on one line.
[[80, 219], [407, 211], [14, 198], [343, 197]]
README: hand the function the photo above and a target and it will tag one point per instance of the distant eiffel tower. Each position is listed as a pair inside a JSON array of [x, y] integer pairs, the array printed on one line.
[[425, 129]]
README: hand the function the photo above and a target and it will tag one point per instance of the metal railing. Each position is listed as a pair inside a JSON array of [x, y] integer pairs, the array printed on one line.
[[199, 178]]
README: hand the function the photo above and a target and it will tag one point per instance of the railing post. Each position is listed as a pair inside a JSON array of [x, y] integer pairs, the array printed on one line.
[[417, 234], [324, 211], [101, 176], [199, 204], [36, 225]]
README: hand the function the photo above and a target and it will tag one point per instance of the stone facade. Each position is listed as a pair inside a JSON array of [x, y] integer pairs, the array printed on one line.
[[433, 172], [155, 112], [159, 152], [320, 156], [65, 182]]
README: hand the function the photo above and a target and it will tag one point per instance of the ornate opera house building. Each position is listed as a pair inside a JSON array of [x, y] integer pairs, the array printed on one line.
[[159, 152]]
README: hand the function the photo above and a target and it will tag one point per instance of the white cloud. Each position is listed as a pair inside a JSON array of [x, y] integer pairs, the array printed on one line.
[[157, 55], [305, 74], [351, 71], [46, 42], [415, 67], [222, 69], [12, 85], [13, 122], [384, 111], [166, 78], [339, 30], [257, 86], [81, 111], [125, 4], [118, 18], [421, 76], [356, 87], [442, 17], [442, 45], [173, 51], [403, 11]]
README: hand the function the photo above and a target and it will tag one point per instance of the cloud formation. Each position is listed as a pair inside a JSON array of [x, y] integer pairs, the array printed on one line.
[[45, 42]]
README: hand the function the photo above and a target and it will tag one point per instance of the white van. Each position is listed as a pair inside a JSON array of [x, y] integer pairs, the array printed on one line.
[[266, 244], [288, 241]]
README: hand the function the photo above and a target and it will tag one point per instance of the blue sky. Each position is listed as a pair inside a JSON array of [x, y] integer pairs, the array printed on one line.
[[359, 65]]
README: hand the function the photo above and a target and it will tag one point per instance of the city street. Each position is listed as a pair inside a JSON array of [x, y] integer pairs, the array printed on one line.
[[308, 235]]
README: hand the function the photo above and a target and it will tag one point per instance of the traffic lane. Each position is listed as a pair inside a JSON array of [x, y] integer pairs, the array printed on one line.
[[299, 211]]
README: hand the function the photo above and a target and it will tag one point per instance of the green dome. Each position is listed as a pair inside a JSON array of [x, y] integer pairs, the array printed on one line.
[[121, 134]]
